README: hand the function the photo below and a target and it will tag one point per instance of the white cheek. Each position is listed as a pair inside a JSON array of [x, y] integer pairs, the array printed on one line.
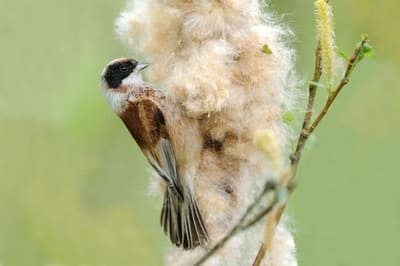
[[134, 80], [117, 100]]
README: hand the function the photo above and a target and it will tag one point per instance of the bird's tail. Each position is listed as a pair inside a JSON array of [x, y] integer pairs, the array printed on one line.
[[182, 221]]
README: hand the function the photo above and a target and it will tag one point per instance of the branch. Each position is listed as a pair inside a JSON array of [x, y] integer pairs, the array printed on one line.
[[354, 60], [312, 90], [307, 130], [305, 133]]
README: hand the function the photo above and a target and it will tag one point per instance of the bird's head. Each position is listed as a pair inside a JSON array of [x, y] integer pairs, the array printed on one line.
[[119, 78]]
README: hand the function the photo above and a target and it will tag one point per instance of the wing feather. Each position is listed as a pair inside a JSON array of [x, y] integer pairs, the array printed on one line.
[[162, 159], [180, 217]]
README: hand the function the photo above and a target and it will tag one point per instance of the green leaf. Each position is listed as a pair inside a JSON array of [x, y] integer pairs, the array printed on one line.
[[288, 117], [266, 49], [368, 50]]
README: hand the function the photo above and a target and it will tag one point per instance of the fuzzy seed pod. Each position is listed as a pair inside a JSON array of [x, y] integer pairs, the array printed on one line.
[[326, 37], [208, 55]]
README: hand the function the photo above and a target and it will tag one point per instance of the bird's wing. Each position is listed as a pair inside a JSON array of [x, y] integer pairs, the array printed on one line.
[[162, 159], [180, 216], [146, 123]]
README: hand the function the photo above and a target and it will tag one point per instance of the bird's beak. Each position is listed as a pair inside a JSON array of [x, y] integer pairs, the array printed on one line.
[[141, 67]]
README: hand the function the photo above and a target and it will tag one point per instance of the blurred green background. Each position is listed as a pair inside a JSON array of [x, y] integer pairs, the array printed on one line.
[[73, 186]]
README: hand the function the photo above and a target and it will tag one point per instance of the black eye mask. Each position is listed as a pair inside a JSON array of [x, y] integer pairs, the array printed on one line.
[[117, 72]]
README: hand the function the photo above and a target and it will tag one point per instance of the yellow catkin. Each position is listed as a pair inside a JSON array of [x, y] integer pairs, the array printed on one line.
[[268, 143], [326, 37]]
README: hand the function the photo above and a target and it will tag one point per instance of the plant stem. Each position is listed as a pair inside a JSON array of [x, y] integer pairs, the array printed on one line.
[[344, 81], [307, 130], [312, 91]]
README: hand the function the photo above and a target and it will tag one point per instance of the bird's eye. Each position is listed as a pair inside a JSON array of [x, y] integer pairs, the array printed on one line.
[[123, 68]]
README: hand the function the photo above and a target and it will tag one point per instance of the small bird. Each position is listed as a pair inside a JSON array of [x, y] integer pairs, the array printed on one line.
[[158, 126]]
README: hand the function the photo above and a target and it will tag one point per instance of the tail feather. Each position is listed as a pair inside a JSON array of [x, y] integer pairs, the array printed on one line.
[[170, 217], [182, 221]]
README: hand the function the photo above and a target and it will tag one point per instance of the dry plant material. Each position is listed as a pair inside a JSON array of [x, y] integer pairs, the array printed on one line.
[[274, 213], [228, 66]]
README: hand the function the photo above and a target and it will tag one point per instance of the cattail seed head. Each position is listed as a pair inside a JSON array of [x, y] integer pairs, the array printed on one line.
[[210, 56], [326, 37]]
